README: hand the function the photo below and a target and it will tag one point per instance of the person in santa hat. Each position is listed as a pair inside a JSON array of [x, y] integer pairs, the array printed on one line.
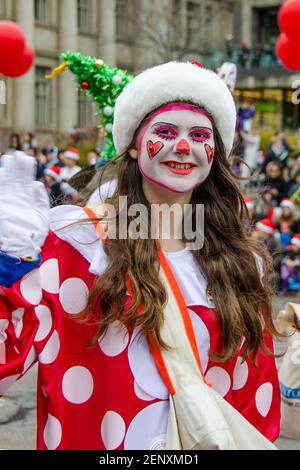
[[52, 177], [70, 158], [265, 232], [94, 311], [251, 212], [290, 267]]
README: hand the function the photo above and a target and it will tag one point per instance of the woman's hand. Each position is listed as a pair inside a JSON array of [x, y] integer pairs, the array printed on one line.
[[24, 207]]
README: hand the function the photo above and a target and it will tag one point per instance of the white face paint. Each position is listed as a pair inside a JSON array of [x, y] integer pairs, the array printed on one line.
[[176, 147]]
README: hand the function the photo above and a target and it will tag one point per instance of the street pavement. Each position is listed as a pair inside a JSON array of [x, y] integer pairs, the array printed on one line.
[[18, 410]]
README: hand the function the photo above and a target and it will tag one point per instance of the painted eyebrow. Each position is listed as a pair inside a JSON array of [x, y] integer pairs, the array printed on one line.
[[201, 127], [176, 127], [164, 124]]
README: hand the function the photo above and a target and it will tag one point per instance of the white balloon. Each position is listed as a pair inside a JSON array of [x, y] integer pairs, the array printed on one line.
[[108, 110], [117, 79], [109, 128]]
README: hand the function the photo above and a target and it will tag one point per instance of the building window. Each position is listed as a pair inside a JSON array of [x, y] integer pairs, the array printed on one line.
[[41, 11], [265, 27], [42, 98], [123, 9], [193, 17], [207, 23], [84, 15]]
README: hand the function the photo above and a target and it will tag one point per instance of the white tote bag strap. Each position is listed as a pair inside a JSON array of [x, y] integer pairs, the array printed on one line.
[[200, 419]]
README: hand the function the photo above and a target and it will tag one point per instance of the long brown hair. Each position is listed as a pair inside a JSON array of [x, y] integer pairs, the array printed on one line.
[[243, 301]]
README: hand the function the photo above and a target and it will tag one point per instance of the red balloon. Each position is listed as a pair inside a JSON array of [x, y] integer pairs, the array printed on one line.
[[289, 18], [19, 65], [12, 40], [287, 50]]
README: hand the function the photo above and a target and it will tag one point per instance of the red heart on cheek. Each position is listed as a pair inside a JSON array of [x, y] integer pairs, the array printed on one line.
[[154, 148], [210, 152]]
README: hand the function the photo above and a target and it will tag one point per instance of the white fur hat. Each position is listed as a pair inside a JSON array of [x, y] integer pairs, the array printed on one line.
[[171, 82]]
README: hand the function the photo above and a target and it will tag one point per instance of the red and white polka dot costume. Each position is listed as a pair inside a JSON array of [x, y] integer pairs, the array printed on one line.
[[111, 396]]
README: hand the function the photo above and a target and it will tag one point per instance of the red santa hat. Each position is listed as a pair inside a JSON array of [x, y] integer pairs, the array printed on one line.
[[266, 226], [249, 202], [296, 240], [72, 153], [55, 172], [286, 202], [169, 83]]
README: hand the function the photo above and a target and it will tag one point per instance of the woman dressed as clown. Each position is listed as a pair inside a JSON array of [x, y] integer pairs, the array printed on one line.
[[89, 308]]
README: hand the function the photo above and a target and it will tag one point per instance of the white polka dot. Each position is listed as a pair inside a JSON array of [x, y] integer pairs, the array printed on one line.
[[240, 374], [51, 350], [30, 360], [7, 382], [77, 385], [141, 394], [52, 433], [219, 379], [202, 338], [148, 427], [263, 398], [50, 276], [30, 287], [17, 321], [144, 369], [116, 339], [112, 430], [44, 315], [73, 295]]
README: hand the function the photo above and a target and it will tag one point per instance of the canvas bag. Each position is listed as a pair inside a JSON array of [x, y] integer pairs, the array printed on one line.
[[199, 418], [289, 372]]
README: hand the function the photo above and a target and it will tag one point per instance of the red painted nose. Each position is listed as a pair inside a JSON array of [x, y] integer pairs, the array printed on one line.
[[183, 147]]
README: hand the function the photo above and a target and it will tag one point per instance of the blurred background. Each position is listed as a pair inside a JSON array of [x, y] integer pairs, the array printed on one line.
[[55, 122], [135, 34]]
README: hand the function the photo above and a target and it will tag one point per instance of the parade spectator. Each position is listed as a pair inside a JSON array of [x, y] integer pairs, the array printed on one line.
[[285, 220], [14, 144], [266, 233], [294, 168], [275, 188], [29, 141], [92, 158], [53, 185], [244, 54], [290, 266], [51, 156], [41, 162], [246, 114], [251, 148], [70, 159], [278, 150], [294, 183], [237, 153]]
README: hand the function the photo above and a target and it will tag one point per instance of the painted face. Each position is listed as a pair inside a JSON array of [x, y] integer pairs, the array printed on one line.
[[176, 147]]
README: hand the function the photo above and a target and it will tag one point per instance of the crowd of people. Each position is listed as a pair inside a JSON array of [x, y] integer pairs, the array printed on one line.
[[273, 180], [56, 167]]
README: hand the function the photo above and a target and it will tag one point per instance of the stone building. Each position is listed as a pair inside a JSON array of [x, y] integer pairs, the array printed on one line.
[[131, 34], [272, 89]]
